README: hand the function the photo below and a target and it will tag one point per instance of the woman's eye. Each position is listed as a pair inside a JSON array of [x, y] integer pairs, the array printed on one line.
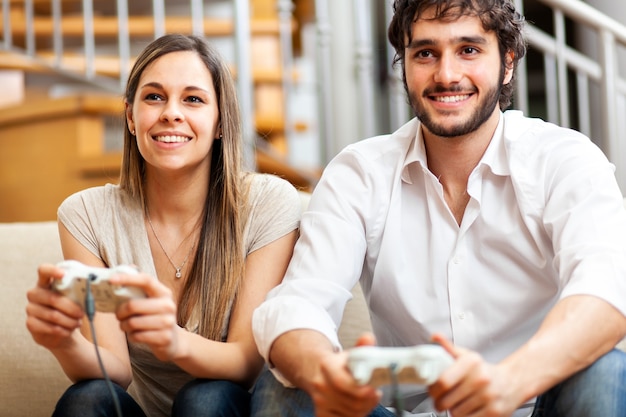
[[195, 99], [153, 97]]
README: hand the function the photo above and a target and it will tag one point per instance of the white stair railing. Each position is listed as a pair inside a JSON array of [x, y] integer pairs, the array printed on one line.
[[90, 50], [607, 118]]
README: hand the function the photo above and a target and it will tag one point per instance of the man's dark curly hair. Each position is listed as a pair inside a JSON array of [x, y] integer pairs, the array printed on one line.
[[497, 16]]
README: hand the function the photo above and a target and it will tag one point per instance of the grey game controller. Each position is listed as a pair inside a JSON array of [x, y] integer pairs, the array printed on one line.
[[379, 366], [107, 297]]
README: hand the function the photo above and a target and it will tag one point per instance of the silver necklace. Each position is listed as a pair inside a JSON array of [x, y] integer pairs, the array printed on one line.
[[178, 269]]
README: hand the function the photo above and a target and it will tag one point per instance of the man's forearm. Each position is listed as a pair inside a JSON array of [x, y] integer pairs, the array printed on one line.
[[576, 332], [297, 355]]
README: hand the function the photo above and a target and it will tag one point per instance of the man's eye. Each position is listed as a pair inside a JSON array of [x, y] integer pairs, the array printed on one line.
[[470, 50], [424, 54]]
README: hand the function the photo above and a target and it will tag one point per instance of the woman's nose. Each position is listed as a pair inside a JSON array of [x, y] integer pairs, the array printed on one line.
[[172, 113]]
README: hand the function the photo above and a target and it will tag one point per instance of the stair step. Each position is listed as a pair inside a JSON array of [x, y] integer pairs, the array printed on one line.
[[106, 65], [138, 26]]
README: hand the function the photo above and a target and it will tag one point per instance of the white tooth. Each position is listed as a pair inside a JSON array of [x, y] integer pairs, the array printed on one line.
[[171, 139], [451, 99]]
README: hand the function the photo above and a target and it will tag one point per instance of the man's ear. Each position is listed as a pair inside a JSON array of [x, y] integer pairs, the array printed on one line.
[[509, 58]]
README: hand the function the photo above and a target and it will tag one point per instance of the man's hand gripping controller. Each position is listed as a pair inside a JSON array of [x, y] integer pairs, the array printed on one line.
[[107, 297], [378, 366]]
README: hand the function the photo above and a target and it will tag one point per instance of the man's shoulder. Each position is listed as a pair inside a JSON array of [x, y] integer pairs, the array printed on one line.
[[523, 129], [533, 139]]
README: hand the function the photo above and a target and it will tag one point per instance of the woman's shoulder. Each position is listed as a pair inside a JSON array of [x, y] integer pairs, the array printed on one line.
[[261, 186], [100, 195], [100, 199]]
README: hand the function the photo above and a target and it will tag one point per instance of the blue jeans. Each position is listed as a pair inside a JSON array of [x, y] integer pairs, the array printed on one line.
[[198, 398], [271, 399], [599, 390]]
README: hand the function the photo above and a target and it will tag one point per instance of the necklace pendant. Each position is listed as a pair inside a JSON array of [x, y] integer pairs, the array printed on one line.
[[178, 273]]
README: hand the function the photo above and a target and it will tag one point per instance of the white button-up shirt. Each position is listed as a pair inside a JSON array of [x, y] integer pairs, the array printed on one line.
[[545, 221]]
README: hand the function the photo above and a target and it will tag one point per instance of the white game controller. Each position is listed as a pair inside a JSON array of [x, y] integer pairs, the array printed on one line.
[[107, 297], [379, 366]]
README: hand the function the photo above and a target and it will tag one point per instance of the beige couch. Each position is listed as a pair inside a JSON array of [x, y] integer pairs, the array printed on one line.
[[30, 379]]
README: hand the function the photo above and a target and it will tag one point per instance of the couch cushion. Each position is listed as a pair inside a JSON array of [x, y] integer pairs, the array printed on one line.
[[31, 380]]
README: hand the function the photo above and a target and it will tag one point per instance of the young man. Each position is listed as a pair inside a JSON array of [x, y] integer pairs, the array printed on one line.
[[500, 237]]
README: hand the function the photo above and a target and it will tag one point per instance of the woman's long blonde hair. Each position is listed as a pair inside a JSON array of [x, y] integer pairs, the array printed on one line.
[[216, 271]]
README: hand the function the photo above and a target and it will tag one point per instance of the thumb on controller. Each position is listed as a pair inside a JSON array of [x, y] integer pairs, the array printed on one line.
[[449, 347], [366, 339]]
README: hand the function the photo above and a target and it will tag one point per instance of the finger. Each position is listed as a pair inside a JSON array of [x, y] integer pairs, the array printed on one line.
[[340, 384], [54, 301], [53, 317], [366, 339], [146, 307], [156, 339], [46, 273], [449, 347], [149, 284], [330, 401], [148, 322]]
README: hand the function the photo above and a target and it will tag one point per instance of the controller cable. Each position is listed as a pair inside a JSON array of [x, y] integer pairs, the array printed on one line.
[[90, 310], [396, 395]]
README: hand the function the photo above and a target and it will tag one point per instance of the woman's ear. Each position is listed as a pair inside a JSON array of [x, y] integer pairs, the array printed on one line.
[[128, 110], [220, 135]]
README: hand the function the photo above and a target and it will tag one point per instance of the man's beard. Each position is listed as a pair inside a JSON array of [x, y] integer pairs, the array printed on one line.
[[483, 111]]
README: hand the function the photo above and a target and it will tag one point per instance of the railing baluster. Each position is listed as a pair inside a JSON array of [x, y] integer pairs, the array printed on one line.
[[197, 17], [123, 41], [6, 21], [364, 67], [324, 80], [158, 12], [584, 110], [29, 11], [399, 110], [57, 33], [521, 76], [285, 8], [244, 80], [559, 24], [551, 79], [89, 39], [608, 103]]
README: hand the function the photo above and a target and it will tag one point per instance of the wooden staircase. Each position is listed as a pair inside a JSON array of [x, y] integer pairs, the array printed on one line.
[[55, 146]]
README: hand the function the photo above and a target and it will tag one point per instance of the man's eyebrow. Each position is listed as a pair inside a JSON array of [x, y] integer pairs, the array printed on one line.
[[475, 40]]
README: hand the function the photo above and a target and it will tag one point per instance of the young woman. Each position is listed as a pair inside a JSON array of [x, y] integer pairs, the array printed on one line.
[[208, 239]]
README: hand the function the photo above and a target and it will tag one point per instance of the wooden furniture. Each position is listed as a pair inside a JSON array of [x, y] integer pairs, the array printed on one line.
[[48, 151], [55, 147]]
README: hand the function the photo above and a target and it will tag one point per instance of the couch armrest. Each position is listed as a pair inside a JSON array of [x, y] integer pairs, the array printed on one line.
[[31, 380]]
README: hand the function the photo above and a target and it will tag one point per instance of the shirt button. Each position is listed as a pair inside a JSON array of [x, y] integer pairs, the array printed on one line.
[[461, 316], [456, 260]]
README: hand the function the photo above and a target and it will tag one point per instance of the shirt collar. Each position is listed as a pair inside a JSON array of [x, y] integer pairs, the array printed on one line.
[[495, 155]]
